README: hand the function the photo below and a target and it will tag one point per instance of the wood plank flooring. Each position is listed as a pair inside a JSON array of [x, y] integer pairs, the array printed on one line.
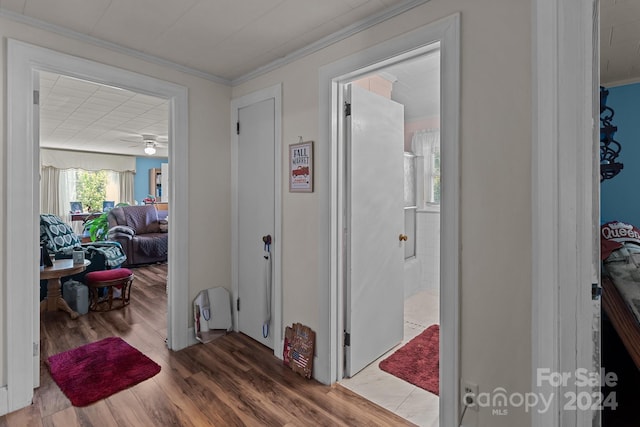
[[232, 381]]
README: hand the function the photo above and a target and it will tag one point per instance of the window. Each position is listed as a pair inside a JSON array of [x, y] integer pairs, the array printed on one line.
[[410, 205], [60, 187], [426, 146]]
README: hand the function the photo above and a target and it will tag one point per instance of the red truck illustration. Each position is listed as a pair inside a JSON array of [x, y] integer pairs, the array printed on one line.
[[300, 171]]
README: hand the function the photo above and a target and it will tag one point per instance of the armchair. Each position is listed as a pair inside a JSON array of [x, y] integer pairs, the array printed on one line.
[[59, 240], [138, 229]]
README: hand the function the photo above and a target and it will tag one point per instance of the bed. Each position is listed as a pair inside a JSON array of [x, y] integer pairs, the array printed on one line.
[[620, 249]]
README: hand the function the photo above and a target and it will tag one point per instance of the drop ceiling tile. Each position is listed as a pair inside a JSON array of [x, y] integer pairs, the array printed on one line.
[[99, 105], [63, 134], [114, 99], [156, 115], [147, 100]]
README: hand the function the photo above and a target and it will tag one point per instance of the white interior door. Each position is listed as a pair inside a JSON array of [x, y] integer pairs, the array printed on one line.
[[256, 217], [375, 253]]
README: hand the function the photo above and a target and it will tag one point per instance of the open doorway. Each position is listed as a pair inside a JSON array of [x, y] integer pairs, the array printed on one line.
[[94, 157], [399, 107], [23, 203]]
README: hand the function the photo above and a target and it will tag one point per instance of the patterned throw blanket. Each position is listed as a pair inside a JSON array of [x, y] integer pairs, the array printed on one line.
[[154, 246], [112, 252]]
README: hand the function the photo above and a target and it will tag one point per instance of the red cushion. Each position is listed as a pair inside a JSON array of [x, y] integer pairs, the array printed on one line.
[[107, 275]]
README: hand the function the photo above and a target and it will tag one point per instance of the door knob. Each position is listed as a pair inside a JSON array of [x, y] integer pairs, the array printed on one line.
[[403, 237]]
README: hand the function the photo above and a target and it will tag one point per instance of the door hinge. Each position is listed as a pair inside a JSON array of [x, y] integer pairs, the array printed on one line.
[[347, 339], [238, 304], [347, 109], [237, 128], [596, 291], [36, 97]]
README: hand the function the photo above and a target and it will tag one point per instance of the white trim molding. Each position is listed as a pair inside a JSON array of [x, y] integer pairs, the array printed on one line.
[[4, 401], [445, 34], [275, 93], [562, 200], [20, 224]]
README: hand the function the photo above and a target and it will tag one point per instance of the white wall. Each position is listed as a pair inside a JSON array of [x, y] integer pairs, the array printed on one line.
[[495, 176], [209, 153], [423, 272]]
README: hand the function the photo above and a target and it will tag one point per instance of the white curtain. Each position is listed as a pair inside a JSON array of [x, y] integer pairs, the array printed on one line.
[[425, 144], [126, 187], [58, 190], [49, 190]]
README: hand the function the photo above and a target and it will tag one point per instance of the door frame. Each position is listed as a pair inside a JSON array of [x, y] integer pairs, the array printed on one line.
[[331, 166], [274, 92], [565, 198], [21, 222]]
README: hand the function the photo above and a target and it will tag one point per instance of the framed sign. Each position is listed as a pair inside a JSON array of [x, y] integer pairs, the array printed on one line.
[[301, 167]]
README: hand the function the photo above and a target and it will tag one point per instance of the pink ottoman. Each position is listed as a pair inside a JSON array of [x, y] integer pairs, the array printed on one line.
[[118, 283]]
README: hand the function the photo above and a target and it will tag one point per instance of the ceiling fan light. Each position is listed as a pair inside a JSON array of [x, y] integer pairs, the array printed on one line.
[[149, 148]]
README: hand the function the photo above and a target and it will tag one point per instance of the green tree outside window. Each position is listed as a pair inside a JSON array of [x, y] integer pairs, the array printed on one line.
[[91, 189]]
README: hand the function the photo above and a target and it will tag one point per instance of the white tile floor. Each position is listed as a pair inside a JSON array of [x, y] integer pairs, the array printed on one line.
[[410, 402]]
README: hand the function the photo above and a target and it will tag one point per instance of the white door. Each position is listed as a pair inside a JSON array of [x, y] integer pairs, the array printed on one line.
[[256, 218], [375, 252]]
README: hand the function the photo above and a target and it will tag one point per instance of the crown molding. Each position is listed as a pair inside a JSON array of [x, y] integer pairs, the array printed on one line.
[[324, 42], [624, 82], [57, 29]]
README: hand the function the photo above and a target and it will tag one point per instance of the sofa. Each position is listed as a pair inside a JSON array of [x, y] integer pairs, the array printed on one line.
[[141, 231]]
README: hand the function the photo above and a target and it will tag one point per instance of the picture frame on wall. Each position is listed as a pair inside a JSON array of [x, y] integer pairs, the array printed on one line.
[[301, 167]]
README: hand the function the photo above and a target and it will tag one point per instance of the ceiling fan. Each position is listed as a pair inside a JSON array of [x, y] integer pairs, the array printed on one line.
[[150, 142]]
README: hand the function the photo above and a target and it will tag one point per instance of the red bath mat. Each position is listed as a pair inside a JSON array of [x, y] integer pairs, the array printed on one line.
[[418, 361]]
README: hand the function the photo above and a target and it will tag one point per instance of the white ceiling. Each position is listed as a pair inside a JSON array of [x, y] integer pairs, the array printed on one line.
[[619, 42], [84, 116], [229, 41], [224, 38]]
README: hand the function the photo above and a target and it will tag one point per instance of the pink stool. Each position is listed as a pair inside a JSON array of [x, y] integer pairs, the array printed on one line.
[[119, 278]]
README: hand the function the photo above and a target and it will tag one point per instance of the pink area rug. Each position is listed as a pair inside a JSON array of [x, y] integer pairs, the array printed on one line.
[[418, 361], [95, 371]]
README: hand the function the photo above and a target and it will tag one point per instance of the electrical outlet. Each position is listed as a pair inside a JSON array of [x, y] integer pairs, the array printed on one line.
[[470, 395]]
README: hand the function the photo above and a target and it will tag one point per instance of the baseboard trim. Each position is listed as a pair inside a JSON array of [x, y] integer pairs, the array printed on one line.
[[4, 400], [191, 340]]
